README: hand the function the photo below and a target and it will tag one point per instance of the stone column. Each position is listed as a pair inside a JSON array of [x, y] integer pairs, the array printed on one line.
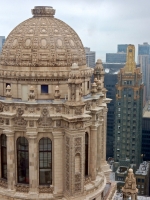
[[93, 152], [33, 165], [69, 92], [105, 167], [77, 92], [99, 131], [10, 159], [58, 159]]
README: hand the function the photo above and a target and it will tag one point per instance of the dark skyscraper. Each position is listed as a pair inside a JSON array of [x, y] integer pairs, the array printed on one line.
[[128, 115]]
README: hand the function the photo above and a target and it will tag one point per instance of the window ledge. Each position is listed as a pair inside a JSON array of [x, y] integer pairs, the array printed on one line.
[[46, 188], [20, 187]]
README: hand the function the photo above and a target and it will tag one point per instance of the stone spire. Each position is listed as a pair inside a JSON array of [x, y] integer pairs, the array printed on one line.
[[31, 94], [94, 89], [57, 93], [8, 92], [129, 189]]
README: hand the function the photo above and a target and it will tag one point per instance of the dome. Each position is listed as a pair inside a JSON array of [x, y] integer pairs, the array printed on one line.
[[43, 41]]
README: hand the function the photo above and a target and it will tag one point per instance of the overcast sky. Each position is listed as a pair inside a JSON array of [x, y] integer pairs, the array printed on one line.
[[101, 24]]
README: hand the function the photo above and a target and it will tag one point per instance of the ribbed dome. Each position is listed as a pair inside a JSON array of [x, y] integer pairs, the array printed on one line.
[[43, 41]]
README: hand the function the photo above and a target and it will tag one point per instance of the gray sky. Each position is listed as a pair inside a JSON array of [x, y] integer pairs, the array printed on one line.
[[101, 24]]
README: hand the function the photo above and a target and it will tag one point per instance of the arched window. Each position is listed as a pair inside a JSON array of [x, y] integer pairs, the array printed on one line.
[[3, 156], [45, 161], [22, 160], [86, 153]]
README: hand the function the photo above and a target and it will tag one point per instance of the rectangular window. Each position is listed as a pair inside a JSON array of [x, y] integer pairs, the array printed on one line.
[[44, 89], [88, 85], [8, 84]]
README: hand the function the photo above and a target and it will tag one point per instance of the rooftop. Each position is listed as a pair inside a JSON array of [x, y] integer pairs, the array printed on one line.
[[146, 110], [143, 169]]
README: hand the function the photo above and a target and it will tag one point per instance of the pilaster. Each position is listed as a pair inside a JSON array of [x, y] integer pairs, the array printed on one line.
[[33, 164], [58, 167], [10, 159], [93, 152]]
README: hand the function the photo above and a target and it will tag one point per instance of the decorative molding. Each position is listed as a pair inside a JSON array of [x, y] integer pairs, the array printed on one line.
[[22, 188], [3, 183], [46, 189]]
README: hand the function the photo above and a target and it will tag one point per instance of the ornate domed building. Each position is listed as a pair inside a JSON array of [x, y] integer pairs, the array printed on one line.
[[52, 121]]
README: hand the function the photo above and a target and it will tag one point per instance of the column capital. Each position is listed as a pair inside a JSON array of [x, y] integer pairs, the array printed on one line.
[[58, 134], [31, 135], [8, 132]]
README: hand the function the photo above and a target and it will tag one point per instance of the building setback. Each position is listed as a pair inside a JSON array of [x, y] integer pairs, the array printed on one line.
[[128, 115]]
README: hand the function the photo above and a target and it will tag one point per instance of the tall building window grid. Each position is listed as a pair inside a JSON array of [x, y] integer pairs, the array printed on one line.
[[22, 160], [3, 156], [45, 161]]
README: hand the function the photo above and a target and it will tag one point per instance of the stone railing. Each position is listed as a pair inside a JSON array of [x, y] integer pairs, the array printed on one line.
[[3, 183], [22, 188], [46, 189]]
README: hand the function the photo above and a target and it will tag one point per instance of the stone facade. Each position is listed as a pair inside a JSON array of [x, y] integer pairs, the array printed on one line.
[[26, 112]]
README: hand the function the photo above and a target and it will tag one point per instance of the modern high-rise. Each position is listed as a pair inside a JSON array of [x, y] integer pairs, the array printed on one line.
[[2, 40], [146, 132], [119, 57], [109, 83], [122, 48], [90, 57], [144, 61], [128, 115]]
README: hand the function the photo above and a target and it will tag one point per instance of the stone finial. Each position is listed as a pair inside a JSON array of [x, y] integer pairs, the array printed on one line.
[[31, 94], [99, 87], [40, 11], [95, 80], [8, 92], [130, 186], [57, 93], [94, 89]]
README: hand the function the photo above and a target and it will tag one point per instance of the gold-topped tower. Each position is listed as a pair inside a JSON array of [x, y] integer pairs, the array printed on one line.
[[130, 63]]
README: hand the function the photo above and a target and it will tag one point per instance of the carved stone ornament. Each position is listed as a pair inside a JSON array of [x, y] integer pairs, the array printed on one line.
[[22, 188], [130, 181], [31, 94], [1, 121], [87, 180], [1, 107], [46, 189], [31, 123], [8, 92], [3, 183], [19, 120], [78, 141], [79, 125], [129, 188], [45, 119], [88, 106], [58, 109], [78, 111], [58, 123], [57, 93]]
